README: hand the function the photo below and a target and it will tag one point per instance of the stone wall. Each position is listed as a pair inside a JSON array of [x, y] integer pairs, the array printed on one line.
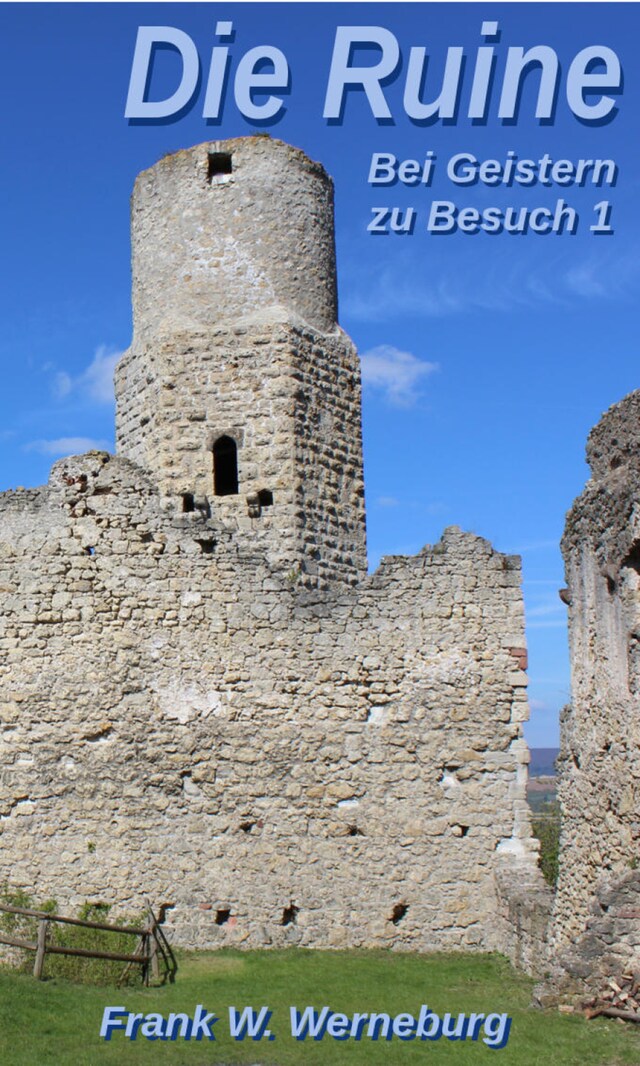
[[290, 398], [599, 767], [182, 721], [204, 700]]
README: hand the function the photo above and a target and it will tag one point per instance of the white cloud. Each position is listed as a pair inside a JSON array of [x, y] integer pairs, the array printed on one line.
[[439, 289], [95, 384], [503, 283], [67, 446], [548, 613], [543, 610], [387, 296], [535, 546], [539, 705], [436, 508], [584, 282], [98, 377], [606, 277], [62, 385], [395, 373], [387, 501]]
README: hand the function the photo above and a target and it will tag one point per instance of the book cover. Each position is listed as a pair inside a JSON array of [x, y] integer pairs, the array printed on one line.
[[221, 691]]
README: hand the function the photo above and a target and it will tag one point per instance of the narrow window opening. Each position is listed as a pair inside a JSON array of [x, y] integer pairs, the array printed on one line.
[[398, 913], [90, 551], [219, 163], [246, 827], [290, 914], [225, 467], [188, 504], [222, 916], [354, 831], [265, 496]]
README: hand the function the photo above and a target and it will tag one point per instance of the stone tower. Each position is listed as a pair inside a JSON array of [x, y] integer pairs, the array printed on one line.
[[240, 393], [596, 927]]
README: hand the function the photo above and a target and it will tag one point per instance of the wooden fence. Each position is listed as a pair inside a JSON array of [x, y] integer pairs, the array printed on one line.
[[153, 952]]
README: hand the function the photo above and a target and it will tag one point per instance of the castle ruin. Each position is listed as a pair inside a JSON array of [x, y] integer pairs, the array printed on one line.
[[595, 932], [205, 699]]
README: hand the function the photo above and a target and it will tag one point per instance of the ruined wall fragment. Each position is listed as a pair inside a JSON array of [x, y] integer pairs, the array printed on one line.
[[599, 785]]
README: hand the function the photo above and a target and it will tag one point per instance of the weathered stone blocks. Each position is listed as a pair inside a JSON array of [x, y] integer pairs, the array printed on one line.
[[204, 698], [599, 765]]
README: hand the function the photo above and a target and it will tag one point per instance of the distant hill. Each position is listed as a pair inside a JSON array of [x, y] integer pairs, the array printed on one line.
[[542, 760]]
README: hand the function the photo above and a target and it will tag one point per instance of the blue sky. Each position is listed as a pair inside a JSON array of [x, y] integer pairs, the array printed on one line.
[[487, 358]]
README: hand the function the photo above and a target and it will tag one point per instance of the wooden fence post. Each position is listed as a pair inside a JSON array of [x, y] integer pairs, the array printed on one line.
[[41, 949], [153, 955], [153, 949]]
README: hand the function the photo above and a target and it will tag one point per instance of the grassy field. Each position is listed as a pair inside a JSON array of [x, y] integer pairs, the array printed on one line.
[[56, 1023]]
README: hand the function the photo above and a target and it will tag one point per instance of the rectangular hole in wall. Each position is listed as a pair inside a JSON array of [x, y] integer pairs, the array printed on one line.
[[219, 164], [290, 915], [207, 547]]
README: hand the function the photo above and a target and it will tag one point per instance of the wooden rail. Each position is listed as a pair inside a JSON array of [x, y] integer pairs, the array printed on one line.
[[47, 916], [153, 947]]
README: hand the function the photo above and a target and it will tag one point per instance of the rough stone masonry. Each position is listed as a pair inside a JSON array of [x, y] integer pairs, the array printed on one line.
[[595, 933], [205, 698]]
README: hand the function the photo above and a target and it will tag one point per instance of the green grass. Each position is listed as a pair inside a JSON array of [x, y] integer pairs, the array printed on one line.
[[546, 826], [71, 967], [56, 1023]]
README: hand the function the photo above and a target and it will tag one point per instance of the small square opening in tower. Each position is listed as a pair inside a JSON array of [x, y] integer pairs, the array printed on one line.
[[219, 165]]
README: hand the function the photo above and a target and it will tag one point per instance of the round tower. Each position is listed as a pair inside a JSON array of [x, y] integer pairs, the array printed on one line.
[[232, 229], [240, 393]]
